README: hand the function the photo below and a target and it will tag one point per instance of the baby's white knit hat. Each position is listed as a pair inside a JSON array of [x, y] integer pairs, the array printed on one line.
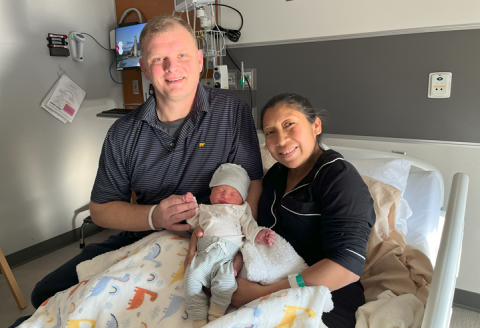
[[232, 175]]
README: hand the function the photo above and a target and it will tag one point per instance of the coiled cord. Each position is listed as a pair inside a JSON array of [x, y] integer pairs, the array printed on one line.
[[232, 35]]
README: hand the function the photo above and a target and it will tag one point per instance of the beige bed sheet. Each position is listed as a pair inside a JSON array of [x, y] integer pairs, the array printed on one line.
[[392, 264]]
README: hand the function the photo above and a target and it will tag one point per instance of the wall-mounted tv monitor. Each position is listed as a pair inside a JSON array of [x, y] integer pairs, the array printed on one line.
[[127, 46]]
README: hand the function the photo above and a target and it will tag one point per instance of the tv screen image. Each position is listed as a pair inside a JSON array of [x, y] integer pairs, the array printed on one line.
[[127, 46]]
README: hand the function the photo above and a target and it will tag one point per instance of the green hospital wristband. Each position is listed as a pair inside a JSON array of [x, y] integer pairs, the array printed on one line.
[[300, 281]]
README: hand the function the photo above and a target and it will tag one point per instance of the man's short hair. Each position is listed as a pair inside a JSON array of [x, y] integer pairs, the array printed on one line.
[[161, 24]]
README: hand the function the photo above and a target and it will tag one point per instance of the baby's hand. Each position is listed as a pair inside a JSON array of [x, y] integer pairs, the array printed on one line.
[[188, 197], [265, 237]]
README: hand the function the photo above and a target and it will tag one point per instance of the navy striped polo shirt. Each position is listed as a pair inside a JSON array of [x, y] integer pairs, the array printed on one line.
[[138, 154]]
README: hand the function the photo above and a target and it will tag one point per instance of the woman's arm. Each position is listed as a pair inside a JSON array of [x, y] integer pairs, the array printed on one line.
[[192, 246], [329, 274], [323, 273]]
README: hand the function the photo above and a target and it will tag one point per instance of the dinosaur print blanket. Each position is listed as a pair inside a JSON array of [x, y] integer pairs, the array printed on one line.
[[141, 286]]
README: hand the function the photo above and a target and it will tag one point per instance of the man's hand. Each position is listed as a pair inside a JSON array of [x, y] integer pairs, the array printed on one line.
[[172, 210], [265, 237], [192, 247]]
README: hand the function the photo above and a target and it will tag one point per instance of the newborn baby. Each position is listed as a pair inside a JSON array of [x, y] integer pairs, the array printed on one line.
[[224, 224]]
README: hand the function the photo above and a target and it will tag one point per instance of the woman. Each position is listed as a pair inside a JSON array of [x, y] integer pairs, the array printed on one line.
[[319, 203]]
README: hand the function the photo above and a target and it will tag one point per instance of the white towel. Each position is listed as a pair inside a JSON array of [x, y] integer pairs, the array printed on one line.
[[269, 264]]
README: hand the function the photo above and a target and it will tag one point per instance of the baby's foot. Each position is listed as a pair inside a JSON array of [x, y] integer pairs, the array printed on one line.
[[188, 197]]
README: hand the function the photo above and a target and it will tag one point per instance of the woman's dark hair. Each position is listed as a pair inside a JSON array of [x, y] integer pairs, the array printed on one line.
[[298, 103]]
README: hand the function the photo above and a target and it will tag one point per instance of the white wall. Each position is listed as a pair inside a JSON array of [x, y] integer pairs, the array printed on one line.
[[276, 20], [47, 168]]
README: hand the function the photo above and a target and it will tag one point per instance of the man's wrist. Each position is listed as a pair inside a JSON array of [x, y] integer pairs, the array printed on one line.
[[150, 218]]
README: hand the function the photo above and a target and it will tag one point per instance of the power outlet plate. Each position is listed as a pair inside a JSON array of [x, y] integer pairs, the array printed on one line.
[[439, 85], [251, 75], [136, 89], [232, 79]]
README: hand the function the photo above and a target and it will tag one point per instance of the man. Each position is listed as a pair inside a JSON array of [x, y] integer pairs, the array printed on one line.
[[170, 145]]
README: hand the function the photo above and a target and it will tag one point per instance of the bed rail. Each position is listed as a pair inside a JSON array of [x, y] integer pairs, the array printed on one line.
[[439, 305]]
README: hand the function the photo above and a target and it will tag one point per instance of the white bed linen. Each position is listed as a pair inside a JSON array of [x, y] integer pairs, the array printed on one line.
[[423, 195], [392, 171]]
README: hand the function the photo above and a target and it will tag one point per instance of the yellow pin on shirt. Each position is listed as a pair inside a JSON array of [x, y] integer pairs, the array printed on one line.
[[202, 144]]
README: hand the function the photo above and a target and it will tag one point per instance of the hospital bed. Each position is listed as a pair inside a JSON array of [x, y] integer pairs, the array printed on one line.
[[439, 305], [118, 266], [446, 249]]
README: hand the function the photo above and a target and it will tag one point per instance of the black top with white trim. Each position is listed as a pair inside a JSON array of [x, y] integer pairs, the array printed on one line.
[[328, 215], [138, 154]]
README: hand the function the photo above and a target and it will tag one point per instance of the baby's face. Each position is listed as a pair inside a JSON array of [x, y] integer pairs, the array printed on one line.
[[224, 194]]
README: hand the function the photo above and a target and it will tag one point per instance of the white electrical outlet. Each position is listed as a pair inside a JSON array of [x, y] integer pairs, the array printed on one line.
[[250, 75], [232, 79], [439, 85], [248, 80]]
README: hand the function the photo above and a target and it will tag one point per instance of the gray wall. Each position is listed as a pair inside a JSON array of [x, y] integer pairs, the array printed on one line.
[[47, 168], [377, 86]]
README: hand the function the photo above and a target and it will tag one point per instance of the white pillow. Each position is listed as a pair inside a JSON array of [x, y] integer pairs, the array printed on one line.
[[423, 194], [267, 159], [392, 171], [404, 212]]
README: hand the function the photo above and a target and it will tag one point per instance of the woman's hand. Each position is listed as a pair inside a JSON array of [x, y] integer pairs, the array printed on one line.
[[237, 263], [246, 292], [192, 247], [189, 257]]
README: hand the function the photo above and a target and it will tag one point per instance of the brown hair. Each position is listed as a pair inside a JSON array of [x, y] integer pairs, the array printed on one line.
[[161, 24]]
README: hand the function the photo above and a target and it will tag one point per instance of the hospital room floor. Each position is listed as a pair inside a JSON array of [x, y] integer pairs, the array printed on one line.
[[30, 273]]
